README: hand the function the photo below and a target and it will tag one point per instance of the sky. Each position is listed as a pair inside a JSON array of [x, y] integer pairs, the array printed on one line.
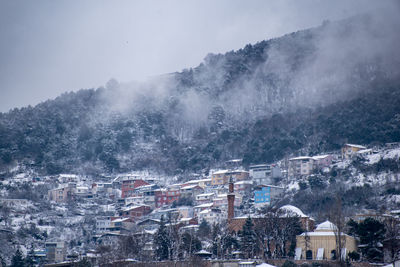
[[49, 47]]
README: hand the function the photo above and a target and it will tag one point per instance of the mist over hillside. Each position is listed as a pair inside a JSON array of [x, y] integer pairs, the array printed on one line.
[[307, 91]]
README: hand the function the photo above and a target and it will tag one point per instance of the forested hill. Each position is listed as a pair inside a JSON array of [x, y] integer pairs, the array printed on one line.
[[308, 91]]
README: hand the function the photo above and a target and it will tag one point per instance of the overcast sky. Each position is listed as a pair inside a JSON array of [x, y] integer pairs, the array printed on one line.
[[49, 47]]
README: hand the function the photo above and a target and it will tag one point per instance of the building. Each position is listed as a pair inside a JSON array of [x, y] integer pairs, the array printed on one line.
[[55, 251], [203, 183], [265, 194], [321, 244], [211, 216], [204, 198], [322, 161], [129, 185], [103, 224], [349, 150], [283, 213], [135, 212], [300, 166], [191, 191], [221, 177], [264, 173], [243, 187], [61, 194]]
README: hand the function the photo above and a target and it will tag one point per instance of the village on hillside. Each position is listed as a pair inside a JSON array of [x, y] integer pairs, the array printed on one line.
[[234, 214]]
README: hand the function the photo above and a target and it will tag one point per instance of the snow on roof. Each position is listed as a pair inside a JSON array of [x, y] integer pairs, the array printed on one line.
[[134, 207], [265, 265], [244, 182], [189, 187], [205, 205], [120, 220], [292, 210], [364, 151], [220, 172], [326, 226], [185, 219], [151, 232], [356, 146], [203, 252], [320, 157], [205, 211], [301, 158], [319, 234]]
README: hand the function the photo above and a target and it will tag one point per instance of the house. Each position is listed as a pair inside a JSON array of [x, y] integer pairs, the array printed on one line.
[[134, 201], [264, 173], [55, 251], [185, 211], [173, 193], [160, 196], [135, 212], [349, 150], [130, 184], [68, 178], [201, 207], [103, 224], [243, 187], [212, 216], [204, 198], [300, 166], [191, 191], [121, 225], [221, 177], [148, 193], [62, 194], [221, 201], [82, 192], [265, 194], [322, 161], [321, 243], [203, 183]]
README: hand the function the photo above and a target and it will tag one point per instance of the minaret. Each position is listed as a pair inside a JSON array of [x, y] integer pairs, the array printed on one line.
[[231, 201]]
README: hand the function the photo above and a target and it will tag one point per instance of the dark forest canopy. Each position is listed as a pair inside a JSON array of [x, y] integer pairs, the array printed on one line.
[[312, 90]]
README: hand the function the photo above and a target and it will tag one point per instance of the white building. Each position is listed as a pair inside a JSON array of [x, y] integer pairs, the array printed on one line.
[[204, 198], [212, 216], [300, 166]]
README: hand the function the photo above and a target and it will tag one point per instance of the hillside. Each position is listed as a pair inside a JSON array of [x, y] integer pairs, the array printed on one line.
[[307, 92]]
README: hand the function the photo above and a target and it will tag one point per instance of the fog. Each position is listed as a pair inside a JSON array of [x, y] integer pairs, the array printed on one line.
[[49, 47]]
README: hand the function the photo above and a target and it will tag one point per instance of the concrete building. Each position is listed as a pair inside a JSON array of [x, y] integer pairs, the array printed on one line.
[[55, 251], [62, 194], [265, 194], [264, 173], [222, 177], [300, 166], [349, 150], [204, 198], [212, 216], [321, 244]]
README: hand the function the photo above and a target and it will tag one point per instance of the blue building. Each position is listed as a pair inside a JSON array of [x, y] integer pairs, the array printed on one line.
[[264, 194]]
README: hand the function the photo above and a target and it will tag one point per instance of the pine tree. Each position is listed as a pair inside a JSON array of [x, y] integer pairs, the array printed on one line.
[[29, 260], [17, 260], [248, 239], [162, 242], [204, 229]]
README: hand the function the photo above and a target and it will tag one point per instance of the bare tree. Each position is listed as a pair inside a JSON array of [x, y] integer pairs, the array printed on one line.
[[337, 217], [392, 239]]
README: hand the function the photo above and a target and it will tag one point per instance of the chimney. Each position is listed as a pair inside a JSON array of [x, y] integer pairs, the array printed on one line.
[[231, 200]]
